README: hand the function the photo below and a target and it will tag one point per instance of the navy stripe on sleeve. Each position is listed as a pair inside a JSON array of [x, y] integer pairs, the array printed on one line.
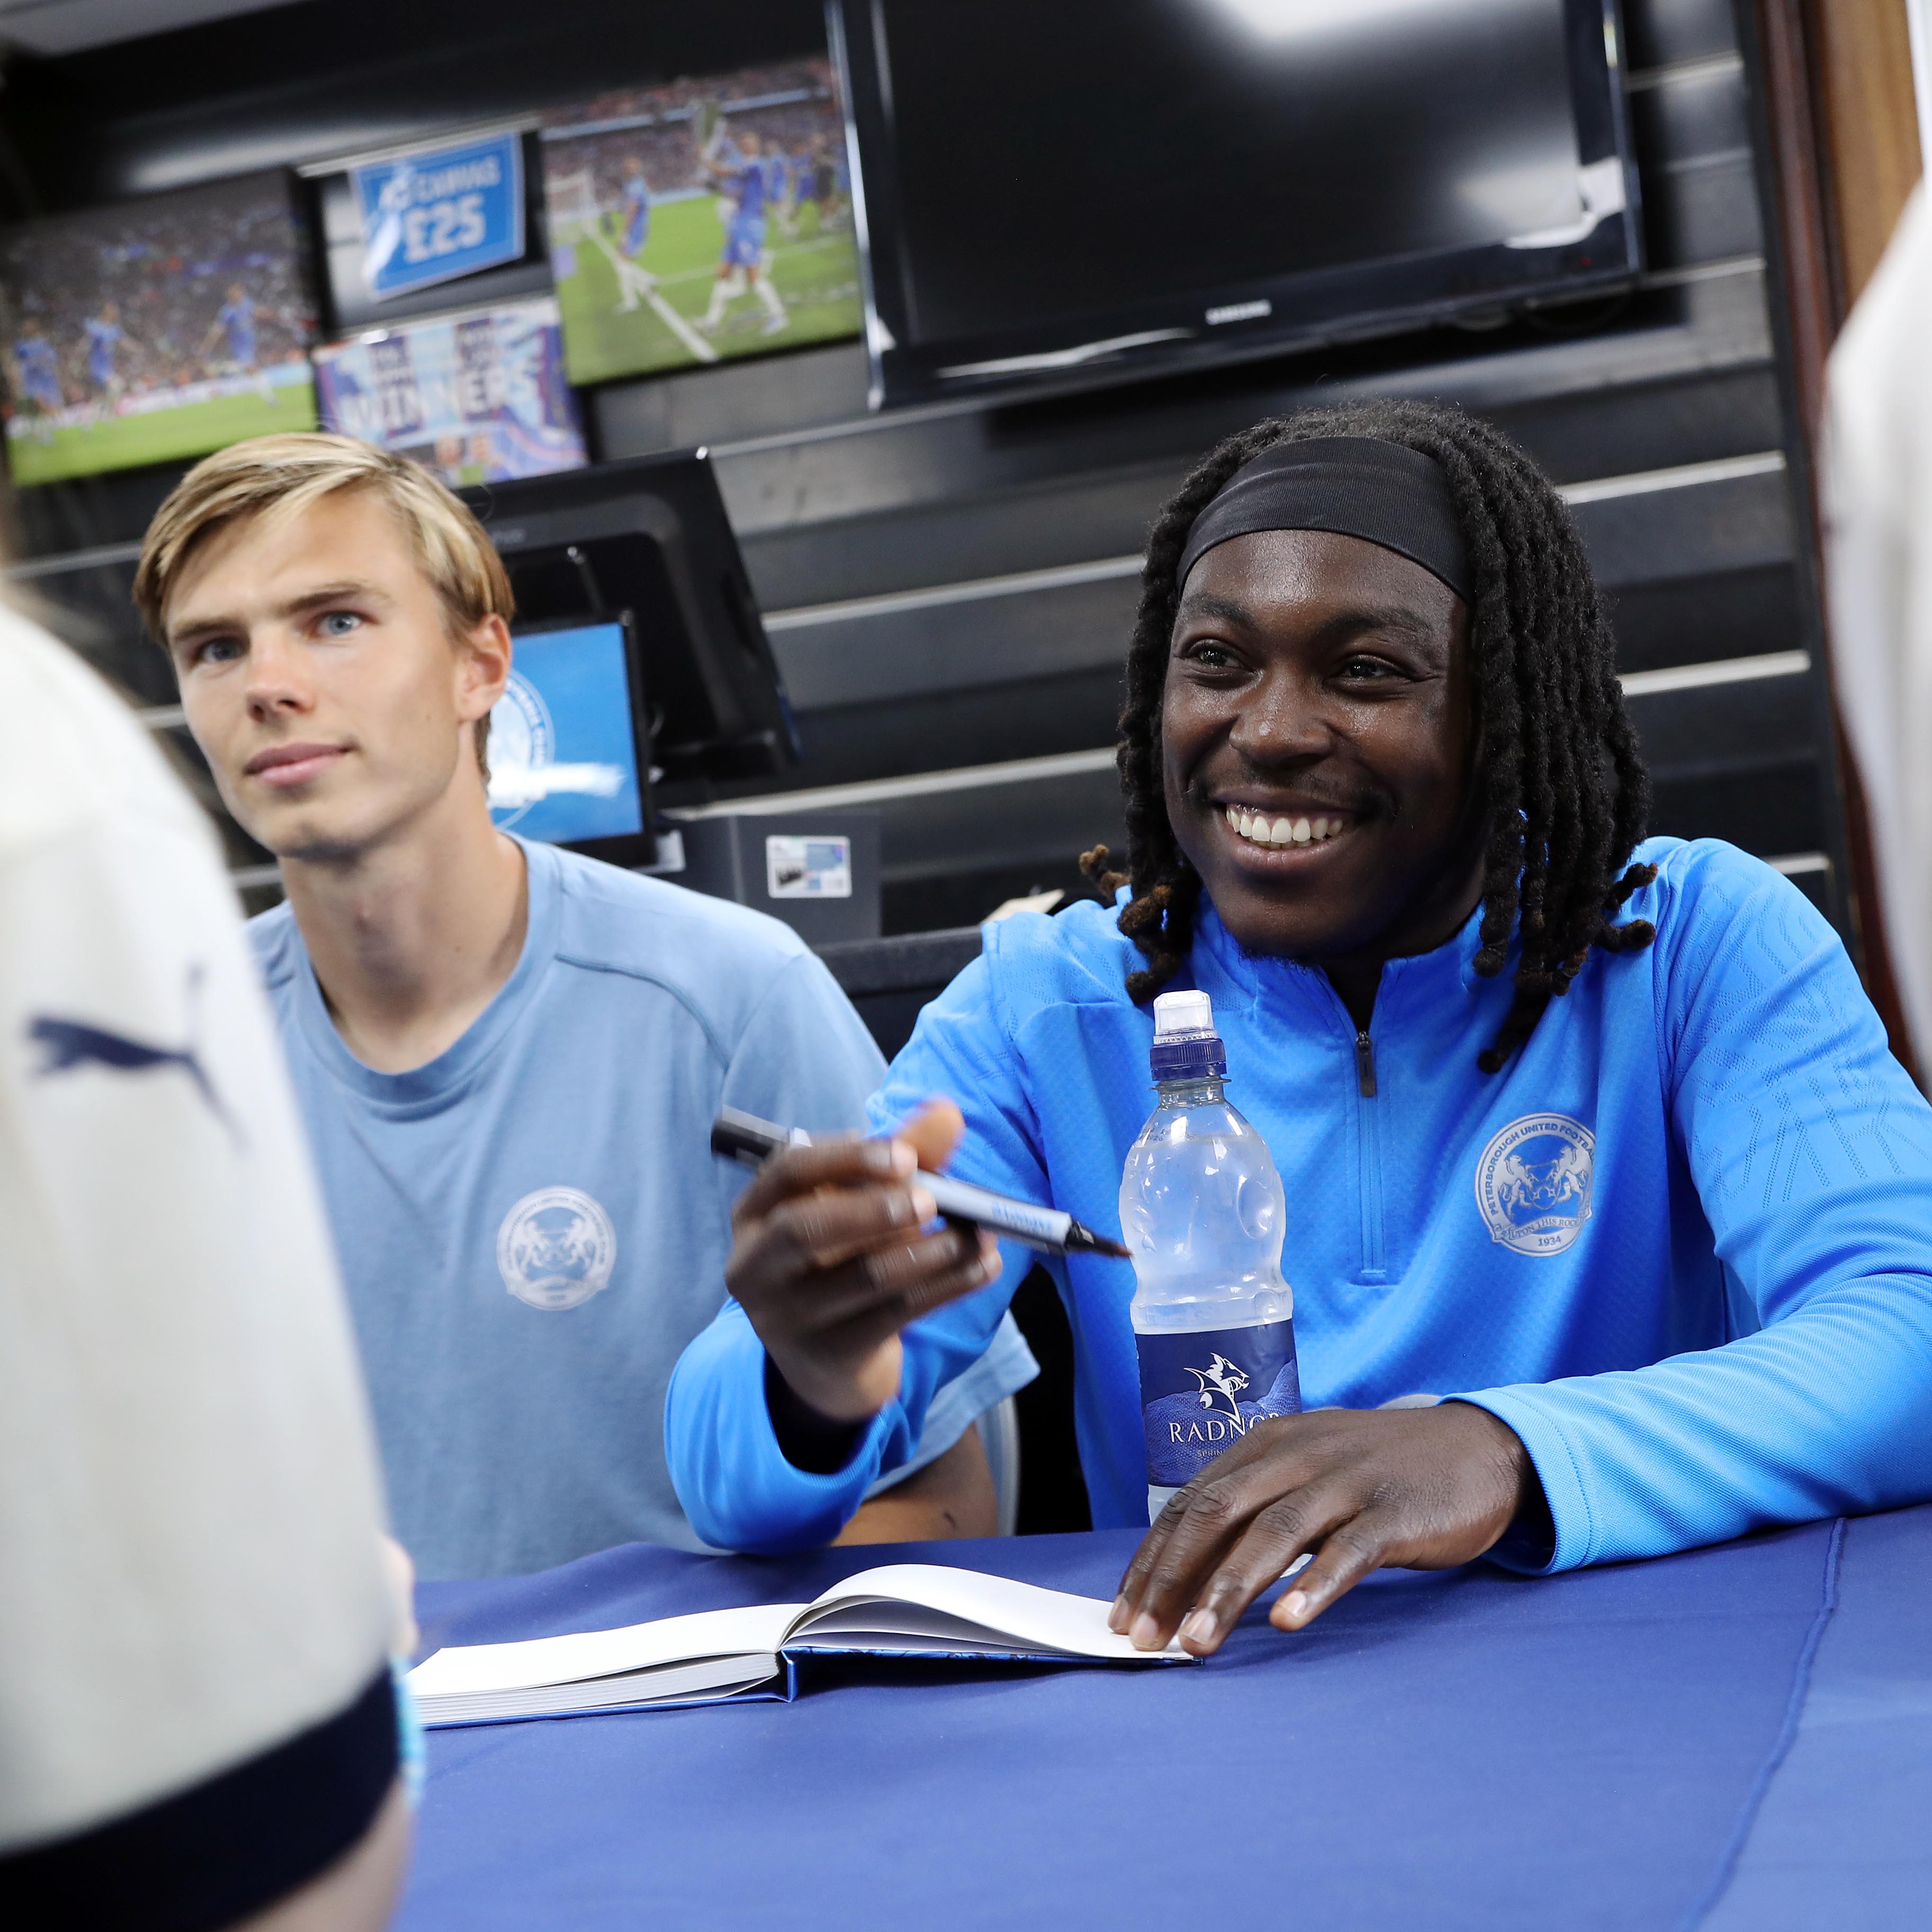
[[225, 1849]]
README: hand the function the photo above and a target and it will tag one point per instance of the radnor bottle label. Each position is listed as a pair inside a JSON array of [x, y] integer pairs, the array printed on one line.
[[1201, 1393]]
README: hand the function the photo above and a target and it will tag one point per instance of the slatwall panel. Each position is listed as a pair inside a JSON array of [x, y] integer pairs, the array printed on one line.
[[950, 589]]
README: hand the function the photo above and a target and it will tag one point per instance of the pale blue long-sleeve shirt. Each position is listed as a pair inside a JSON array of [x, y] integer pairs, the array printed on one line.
[[1681, 1243]]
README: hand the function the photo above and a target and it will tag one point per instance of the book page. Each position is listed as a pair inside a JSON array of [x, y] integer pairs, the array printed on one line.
[[663, 1684], [906, 1630], [468, 1669], [993, 1609]]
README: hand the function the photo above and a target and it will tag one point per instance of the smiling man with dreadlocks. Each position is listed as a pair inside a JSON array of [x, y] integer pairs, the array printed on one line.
[[1610, 1216]]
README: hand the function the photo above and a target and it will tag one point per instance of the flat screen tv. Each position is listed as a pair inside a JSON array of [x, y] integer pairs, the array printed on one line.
[[1110, 187], [701, 219], [155, 329], [650, 536]]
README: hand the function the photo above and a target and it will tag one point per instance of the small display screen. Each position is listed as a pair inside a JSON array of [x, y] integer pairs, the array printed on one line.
[[564, 765]]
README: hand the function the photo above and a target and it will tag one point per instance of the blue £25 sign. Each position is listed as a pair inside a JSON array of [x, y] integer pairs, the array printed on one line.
[[439, 213]]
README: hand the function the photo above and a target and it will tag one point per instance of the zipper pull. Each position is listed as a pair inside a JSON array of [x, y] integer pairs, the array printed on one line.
[[1365, 1063]]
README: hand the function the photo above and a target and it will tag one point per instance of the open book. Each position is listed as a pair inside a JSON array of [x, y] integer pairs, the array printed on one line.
[[904, 1609]]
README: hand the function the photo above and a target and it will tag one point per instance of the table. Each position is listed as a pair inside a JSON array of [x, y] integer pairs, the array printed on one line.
[[1738, 1737]]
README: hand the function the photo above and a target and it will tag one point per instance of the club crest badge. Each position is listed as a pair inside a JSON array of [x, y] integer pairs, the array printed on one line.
[[1533, 1183], [522, 742], [556, 1249]]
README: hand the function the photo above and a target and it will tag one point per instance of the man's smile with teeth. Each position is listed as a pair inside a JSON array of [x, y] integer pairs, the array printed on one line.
[[1259, 828]]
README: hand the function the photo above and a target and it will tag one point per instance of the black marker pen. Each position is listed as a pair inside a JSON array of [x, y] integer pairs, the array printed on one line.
[[746, 1138]]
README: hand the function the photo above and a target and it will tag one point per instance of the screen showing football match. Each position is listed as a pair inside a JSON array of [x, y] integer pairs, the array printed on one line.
[[701, 219], [154, 329]]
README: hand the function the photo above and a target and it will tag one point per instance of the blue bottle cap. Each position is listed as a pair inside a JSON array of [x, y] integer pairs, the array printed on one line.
[[1185, 1046]]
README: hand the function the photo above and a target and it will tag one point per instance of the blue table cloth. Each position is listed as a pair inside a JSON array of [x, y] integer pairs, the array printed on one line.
[[1735, 1737]]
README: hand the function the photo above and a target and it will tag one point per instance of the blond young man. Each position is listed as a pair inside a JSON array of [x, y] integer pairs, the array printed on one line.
[[507, 1056]]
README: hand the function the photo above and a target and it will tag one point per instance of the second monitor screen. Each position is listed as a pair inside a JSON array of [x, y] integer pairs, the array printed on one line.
[[564, 758]]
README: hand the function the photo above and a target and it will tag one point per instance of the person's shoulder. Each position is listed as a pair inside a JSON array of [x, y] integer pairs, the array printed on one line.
[[277, 944], [1078, 956], [72, 751], [720, 958], [1700, 879], [1719, 910]]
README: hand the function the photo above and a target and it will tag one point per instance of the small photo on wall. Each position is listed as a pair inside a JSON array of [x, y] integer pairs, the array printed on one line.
[[705, 219], [155, 329], [477, 398]]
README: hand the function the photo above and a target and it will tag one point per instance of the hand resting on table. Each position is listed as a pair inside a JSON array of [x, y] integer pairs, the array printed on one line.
[[1418, 1488]]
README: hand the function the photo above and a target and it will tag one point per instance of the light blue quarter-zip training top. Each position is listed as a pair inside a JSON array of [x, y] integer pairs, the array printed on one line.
[[1681, 1244]]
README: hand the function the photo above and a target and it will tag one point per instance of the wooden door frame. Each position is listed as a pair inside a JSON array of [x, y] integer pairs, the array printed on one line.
[[1842, 156]]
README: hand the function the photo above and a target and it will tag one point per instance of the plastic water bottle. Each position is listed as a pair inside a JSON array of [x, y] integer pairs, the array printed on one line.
[[1202, 1208]]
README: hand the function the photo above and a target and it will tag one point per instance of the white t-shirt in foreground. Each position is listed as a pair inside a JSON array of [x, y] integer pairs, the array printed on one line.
[[1875, 482], [190, 1512]]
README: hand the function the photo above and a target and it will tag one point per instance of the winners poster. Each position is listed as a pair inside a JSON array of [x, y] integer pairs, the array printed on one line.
[[479, 398]]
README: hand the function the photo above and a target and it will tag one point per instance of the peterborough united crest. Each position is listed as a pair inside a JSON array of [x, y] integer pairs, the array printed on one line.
[[1533, 1183], [522, 740], [556, 1249]]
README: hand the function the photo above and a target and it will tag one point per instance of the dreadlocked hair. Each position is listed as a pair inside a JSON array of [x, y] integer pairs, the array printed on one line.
[[1566, 797]]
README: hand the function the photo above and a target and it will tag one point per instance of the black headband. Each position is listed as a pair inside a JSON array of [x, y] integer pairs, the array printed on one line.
[[1357, 486]]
